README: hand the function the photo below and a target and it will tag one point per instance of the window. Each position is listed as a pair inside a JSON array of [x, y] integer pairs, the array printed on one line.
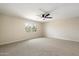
[[30, 27]]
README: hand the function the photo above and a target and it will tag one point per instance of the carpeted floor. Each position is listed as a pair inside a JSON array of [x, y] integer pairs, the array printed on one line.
[[41, 47]]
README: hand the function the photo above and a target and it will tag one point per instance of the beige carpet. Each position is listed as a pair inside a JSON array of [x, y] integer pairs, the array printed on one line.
[[41, 47]]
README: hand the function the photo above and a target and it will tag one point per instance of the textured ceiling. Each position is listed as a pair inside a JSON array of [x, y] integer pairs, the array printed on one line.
[[31, 10]]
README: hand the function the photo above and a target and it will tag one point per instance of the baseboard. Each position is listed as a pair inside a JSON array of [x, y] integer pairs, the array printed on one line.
[[61, 38], [11, 42]]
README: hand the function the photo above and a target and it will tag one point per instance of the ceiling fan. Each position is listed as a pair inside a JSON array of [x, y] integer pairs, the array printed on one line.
[[46, 14]]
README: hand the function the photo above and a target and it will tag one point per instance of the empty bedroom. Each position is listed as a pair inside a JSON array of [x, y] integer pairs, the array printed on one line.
[[39, 29]]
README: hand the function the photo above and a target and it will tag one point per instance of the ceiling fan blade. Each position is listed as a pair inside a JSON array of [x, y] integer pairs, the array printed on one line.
[[43, 15], [48, 17]]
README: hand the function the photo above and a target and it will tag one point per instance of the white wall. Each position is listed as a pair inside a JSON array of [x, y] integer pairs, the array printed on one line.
[[12, 29], [67, 29]]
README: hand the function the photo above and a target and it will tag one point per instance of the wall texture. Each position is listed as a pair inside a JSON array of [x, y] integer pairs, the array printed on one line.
[[67, 29], [12, 29]]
